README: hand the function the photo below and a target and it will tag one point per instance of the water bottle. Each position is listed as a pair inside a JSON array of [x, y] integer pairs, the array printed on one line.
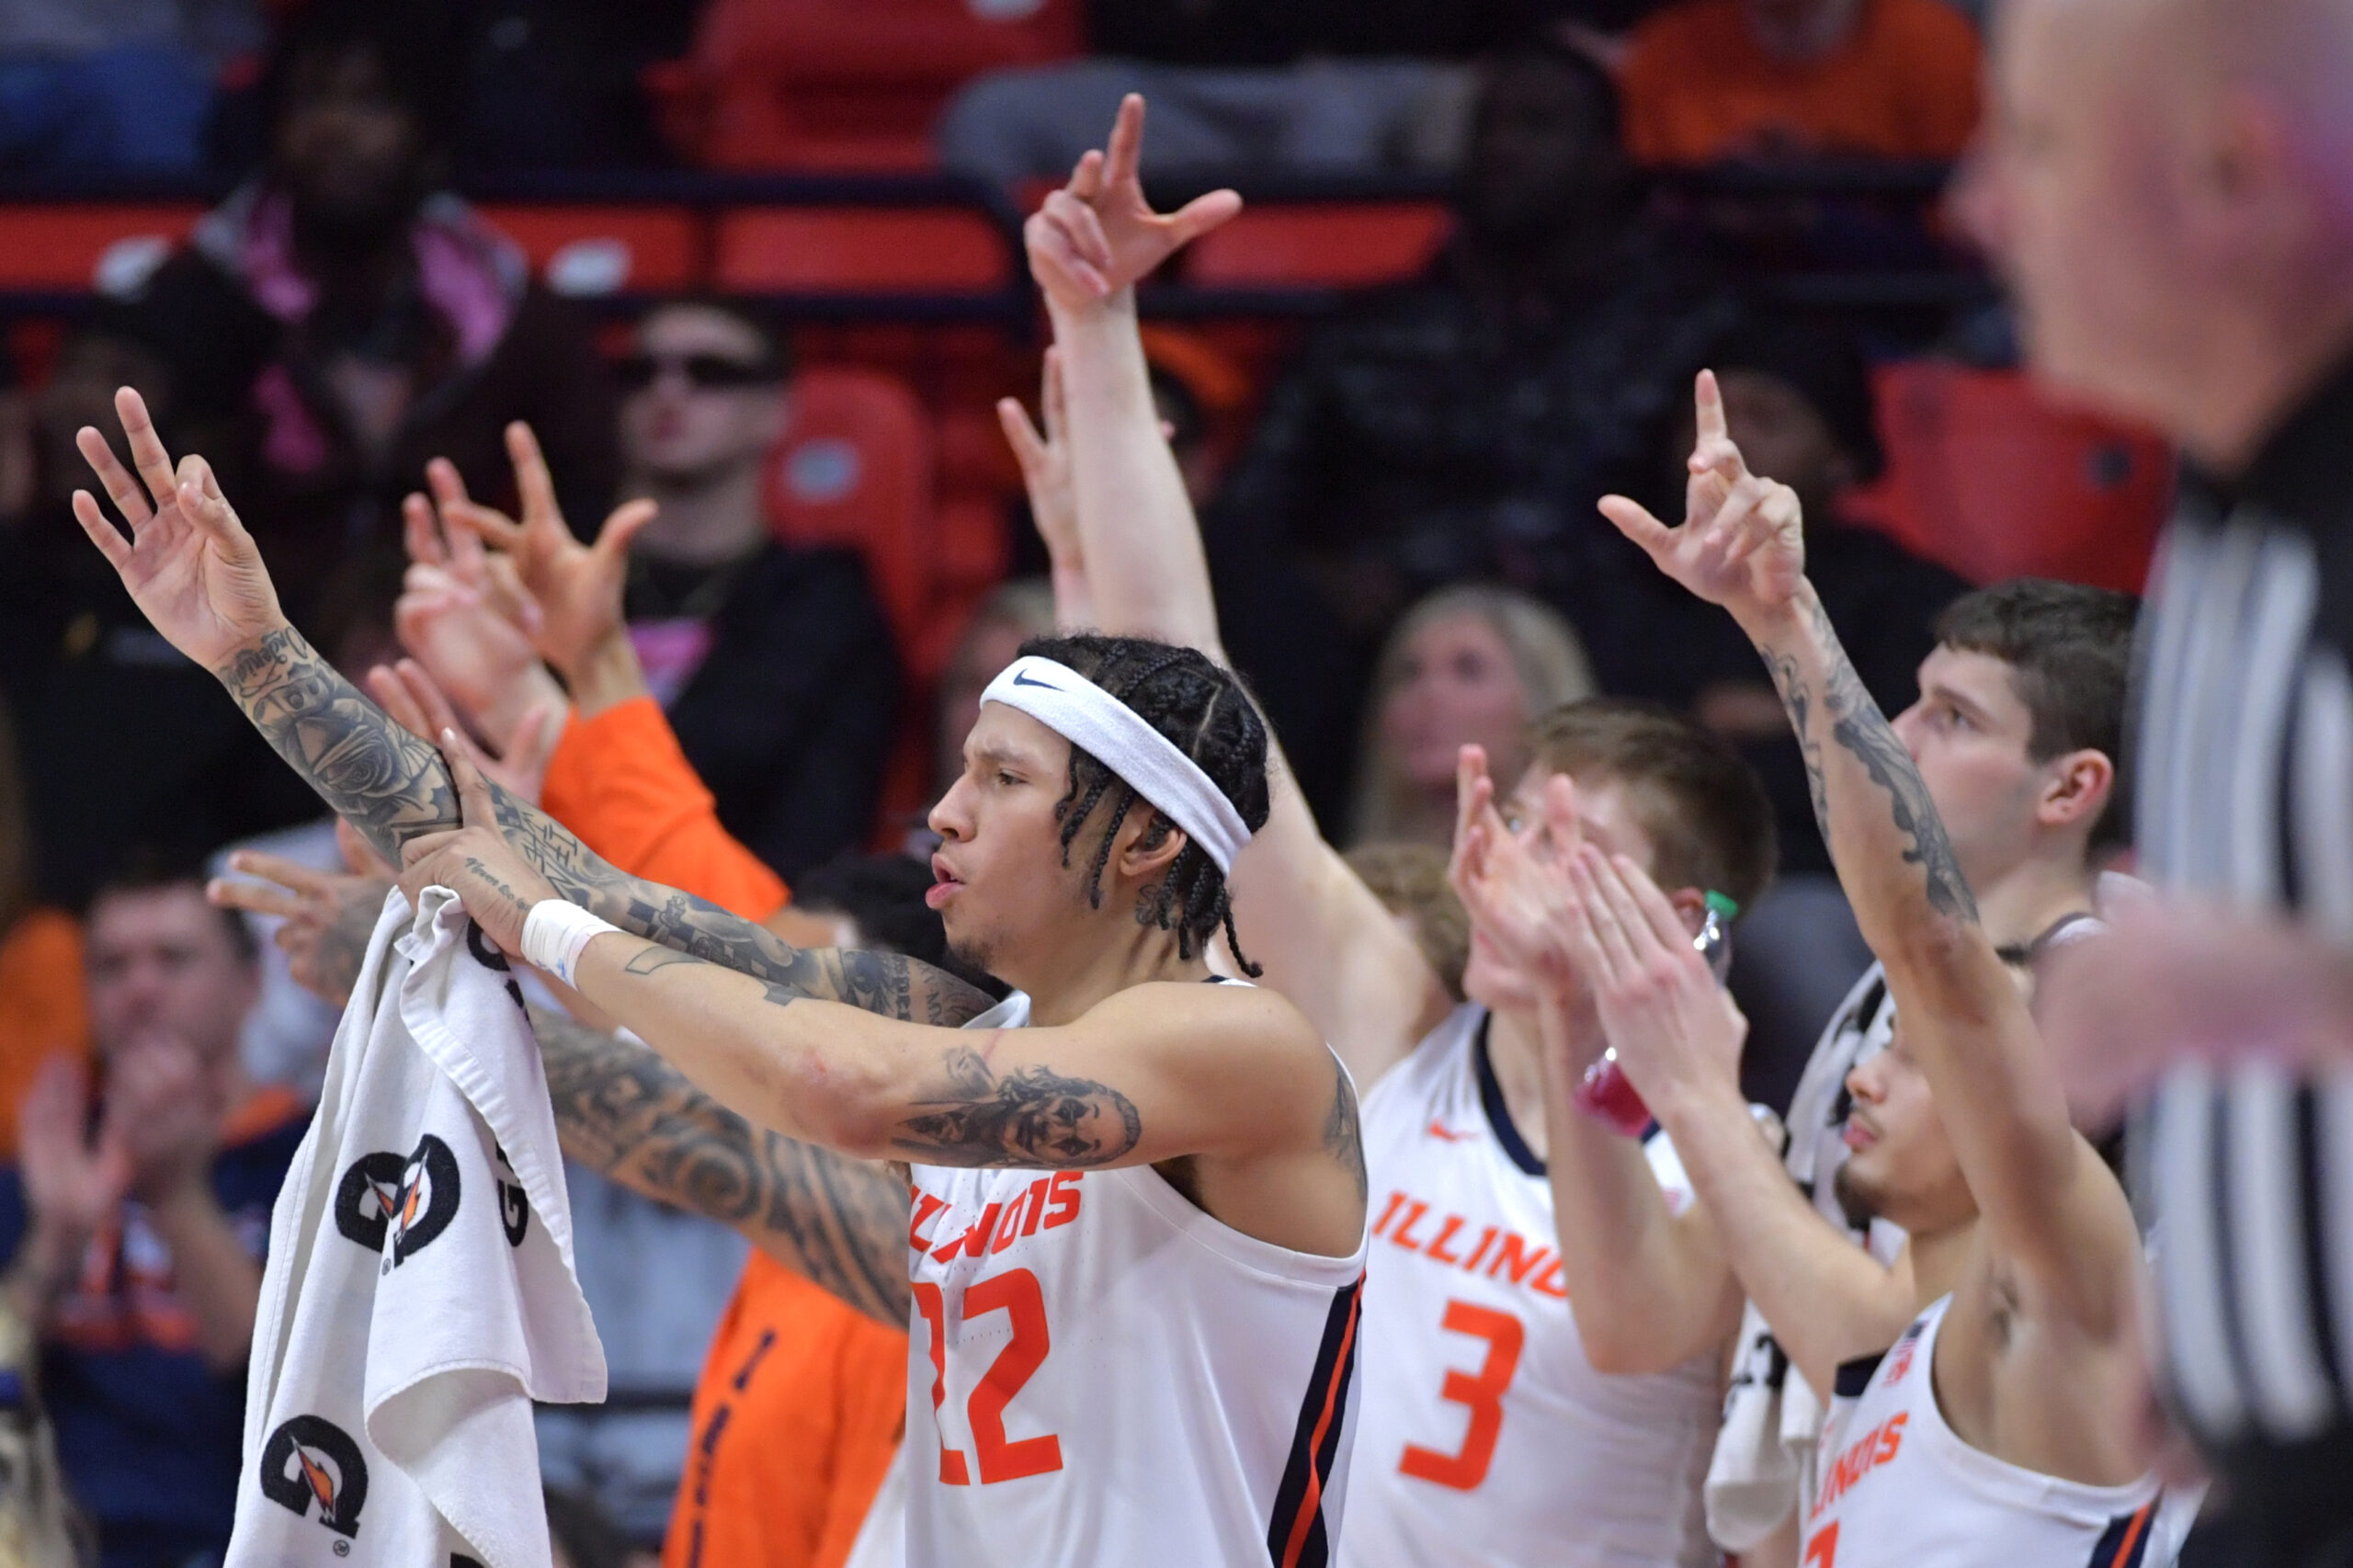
[[1606, 1094]]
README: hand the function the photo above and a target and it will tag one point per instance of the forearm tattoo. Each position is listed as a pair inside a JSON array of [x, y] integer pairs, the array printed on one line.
[[393, 787], [1858, 727], [1034, 1117], [628, 1114]]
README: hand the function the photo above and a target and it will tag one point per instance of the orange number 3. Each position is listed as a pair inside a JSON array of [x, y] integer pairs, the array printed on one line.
[[1482, 1391], [1017, 1293]]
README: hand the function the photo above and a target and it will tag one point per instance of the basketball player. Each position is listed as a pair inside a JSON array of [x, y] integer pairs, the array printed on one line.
[[1985, 1434], [1488, 1436], [1137, 1220]]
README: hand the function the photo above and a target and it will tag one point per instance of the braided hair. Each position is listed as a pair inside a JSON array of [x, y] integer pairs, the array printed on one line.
[[1204, 711]]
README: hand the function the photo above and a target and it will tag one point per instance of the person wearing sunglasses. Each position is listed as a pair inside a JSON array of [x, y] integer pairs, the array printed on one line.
[[774, 662]]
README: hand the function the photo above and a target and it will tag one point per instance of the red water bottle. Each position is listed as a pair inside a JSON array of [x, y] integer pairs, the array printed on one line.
[[1604, 1092]]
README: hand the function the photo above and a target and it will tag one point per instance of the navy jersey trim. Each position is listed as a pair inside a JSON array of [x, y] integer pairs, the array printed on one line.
[[2126, 1540], [1297, 1534], [1491, 1100]]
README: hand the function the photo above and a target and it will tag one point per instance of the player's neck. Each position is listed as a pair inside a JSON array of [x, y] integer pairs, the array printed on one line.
[[2032, 896], [1938, 1257], [1515, 1054], [1068, 982]]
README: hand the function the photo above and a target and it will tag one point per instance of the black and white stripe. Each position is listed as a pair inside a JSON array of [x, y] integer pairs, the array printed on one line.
[[2245, 735]]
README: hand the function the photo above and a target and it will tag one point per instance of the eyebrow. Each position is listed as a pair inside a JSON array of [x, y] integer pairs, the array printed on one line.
[[1939, 691]]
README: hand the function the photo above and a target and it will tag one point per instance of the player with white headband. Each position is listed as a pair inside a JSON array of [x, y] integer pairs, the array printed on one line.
[[1137, 1200]]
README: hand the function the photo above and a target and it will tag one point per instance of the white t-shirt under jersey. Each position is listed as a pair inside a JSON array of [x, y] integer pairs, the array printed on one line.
[[1900, 1489], [1487, 1438], [1098, 1372]]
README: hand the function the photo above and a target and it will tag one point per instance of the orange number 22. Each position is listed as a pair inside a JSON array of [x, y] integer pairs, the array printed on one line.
[[1016, 1293], [1482, 1391]]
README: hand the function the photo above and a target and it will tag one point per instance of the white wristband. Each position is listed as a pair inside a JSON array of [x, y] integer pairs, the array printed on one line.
[[555, 933]]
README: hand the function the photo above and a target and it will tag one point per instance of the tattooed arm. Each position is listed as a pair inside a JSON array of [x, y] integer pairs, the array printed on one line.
[[193, 571], [2050, 1205], [623, 1111]]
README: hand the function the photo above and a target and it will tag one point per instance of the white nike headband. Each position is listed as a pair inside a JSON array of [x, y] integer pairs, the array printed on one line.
[[1117, 736]]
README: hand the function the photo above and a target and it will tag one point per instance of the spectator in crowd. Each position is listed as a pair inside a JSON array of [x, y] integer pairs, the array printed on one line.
[[1472, 666], [135, 1227], [341, 318], [117, 89], [1410, 881], [1715, 79], [42, 1014], [1464, 427], [774, 662], [123, 740], [1200, 394], [1797, 398]]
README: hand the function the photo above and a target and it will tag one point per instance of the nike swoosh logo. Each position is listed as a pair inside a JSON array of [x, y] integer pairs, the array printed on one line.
[[1437, 1130], [1021, 679]]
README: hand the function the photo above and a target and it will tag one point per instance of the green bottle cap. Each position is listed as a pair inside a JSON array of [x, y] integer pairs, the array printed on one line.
[[1724, 909]]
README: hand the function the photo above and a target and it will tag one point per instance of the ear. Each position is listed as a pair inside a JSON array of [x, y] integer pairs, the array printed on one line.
[[2076, 788], [1691, 907], [1136, 855]]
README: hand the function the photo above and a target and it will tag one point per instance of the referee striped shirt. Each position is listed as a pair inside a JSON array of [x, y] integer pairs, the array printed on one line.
[[2244, 737]]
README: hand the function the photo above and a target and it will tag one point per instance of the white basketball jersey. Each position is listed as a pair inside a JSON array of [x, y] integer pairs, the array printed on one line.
[[1100, 1373], [1900, 1489], [1487, 1436]]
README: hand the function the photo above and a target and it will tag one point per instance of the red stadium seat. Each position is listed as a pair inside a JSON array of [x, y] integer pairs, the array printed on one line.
[[609, 249], [1329, 244], [78, 247], [1987, 477], [857, 467], [850, 85], [860, 251]]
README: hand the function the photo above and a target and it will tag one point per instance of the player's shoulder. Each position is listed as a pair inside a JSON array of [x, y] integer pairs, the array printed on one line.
[[1230, 1012]]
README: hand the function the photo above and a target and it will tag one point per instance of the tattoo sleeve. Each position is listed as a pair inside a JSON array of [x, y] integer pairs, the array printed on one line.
[[1342, 1134], [628, 1114], [393, 786], [1833, 712]]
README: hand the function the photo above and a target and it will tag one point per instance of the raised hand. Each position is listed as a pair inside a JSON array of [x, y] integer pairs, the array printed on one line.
[[1514, 883], [462, 614], [1670, 1023], [577, 587], [72, 1184], [490, 877], [1045, 466], [190, 564], [169, 1126], [325, 918], [1742, 541], [1097, 236]]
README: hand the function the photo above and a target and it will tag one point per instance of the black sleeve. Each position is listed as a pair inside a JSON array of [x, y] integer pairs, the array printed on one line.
[[789, 721]]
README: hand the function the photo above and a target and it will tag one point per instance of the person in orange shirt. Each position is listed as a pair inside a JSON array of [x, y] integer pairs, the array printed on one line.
[[42, 1011], [1706, 80]]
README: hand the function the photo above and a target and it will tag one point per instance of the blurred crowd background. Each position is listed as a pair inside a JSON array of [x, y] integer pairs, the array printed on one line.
[[758, 261]]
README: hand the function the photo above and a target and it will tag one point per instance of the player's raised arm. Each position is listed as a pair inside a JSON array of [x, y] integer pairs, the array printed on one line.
[[1322, 935], [196, 573], [2051, 1206]]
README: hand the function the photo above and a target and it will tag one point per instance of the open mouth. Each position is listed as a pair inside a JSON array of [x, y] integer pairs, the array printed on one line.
[[1858, 1136], [945, 881]]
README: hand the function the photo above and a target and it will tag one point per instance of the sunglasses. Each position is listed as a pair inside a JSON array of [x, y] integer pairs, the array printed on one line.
[[707, 372]]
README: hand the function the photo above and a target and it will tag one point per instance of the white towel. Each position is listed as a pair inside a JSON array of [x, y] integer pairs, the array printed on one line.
[[420, 1292]]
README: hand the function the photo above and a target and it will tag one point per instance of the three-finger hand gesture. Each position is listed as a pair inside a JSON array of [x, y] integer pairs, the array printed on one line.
[[1669, 1021], [490, 877], [325, 917], [1742, 541], [408, 692], [1098, 235], [1513, 880], [190, 564], [1045, 467], [577, 587]]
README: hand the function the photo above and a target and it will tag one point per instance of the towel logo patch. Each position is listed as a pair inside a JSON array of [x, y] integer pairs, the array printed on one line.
[[409, 1200], [310, 1460], [514, 1207]]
